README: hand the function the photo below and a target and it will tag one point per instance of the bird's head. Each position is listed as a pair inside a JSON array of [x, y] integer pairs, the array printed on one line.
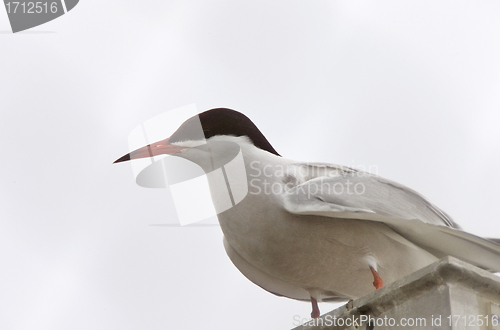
[[213, 135]]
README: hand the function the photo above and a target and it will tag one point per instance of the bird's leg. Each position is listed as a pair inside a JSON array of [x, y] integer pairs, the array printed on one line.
[[377, 283], [315, 312]]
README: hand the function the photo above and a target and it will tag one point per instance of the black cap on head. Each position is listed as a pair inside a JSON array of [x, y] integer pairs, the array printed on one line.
[[222, 121]]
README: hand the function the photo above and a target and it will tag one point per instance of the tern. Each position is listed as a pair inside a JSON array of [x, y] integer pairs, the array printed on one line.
[[313, 231]]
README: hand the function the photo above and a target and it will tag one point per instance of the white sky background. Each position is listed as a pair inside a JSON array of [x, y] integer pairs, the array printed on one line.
[[412, 88]]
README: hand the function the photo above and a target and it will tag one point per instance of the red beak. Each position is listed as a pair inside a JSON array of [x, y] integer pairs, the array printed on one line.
[[154, 149]]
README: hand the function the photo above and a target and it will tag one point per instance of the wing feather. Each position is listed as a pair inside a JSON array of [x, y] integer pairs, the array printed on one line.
[[359, 195]]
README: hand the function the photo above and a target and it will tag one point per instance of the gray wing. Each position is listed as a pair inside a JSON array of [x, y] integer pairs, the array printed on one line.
[[350, 194], [496, 240]]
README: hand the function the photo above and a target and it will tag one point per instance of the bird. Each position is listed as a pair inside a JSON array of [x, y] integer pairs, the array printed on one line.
[[314, 231]]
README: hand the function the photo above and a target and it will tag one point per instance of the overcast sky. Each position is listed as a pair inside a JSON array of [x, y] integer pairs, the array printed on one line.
[[410, 89]]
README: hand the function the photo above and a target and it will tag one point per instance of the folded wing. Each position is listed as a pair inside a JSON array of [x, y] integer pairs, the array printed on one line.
[[338, 192]]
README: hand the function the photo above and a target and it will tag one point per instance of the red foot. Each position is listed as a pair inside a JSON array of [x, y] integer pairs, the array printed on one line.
[[377, 283], [315, 312]]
